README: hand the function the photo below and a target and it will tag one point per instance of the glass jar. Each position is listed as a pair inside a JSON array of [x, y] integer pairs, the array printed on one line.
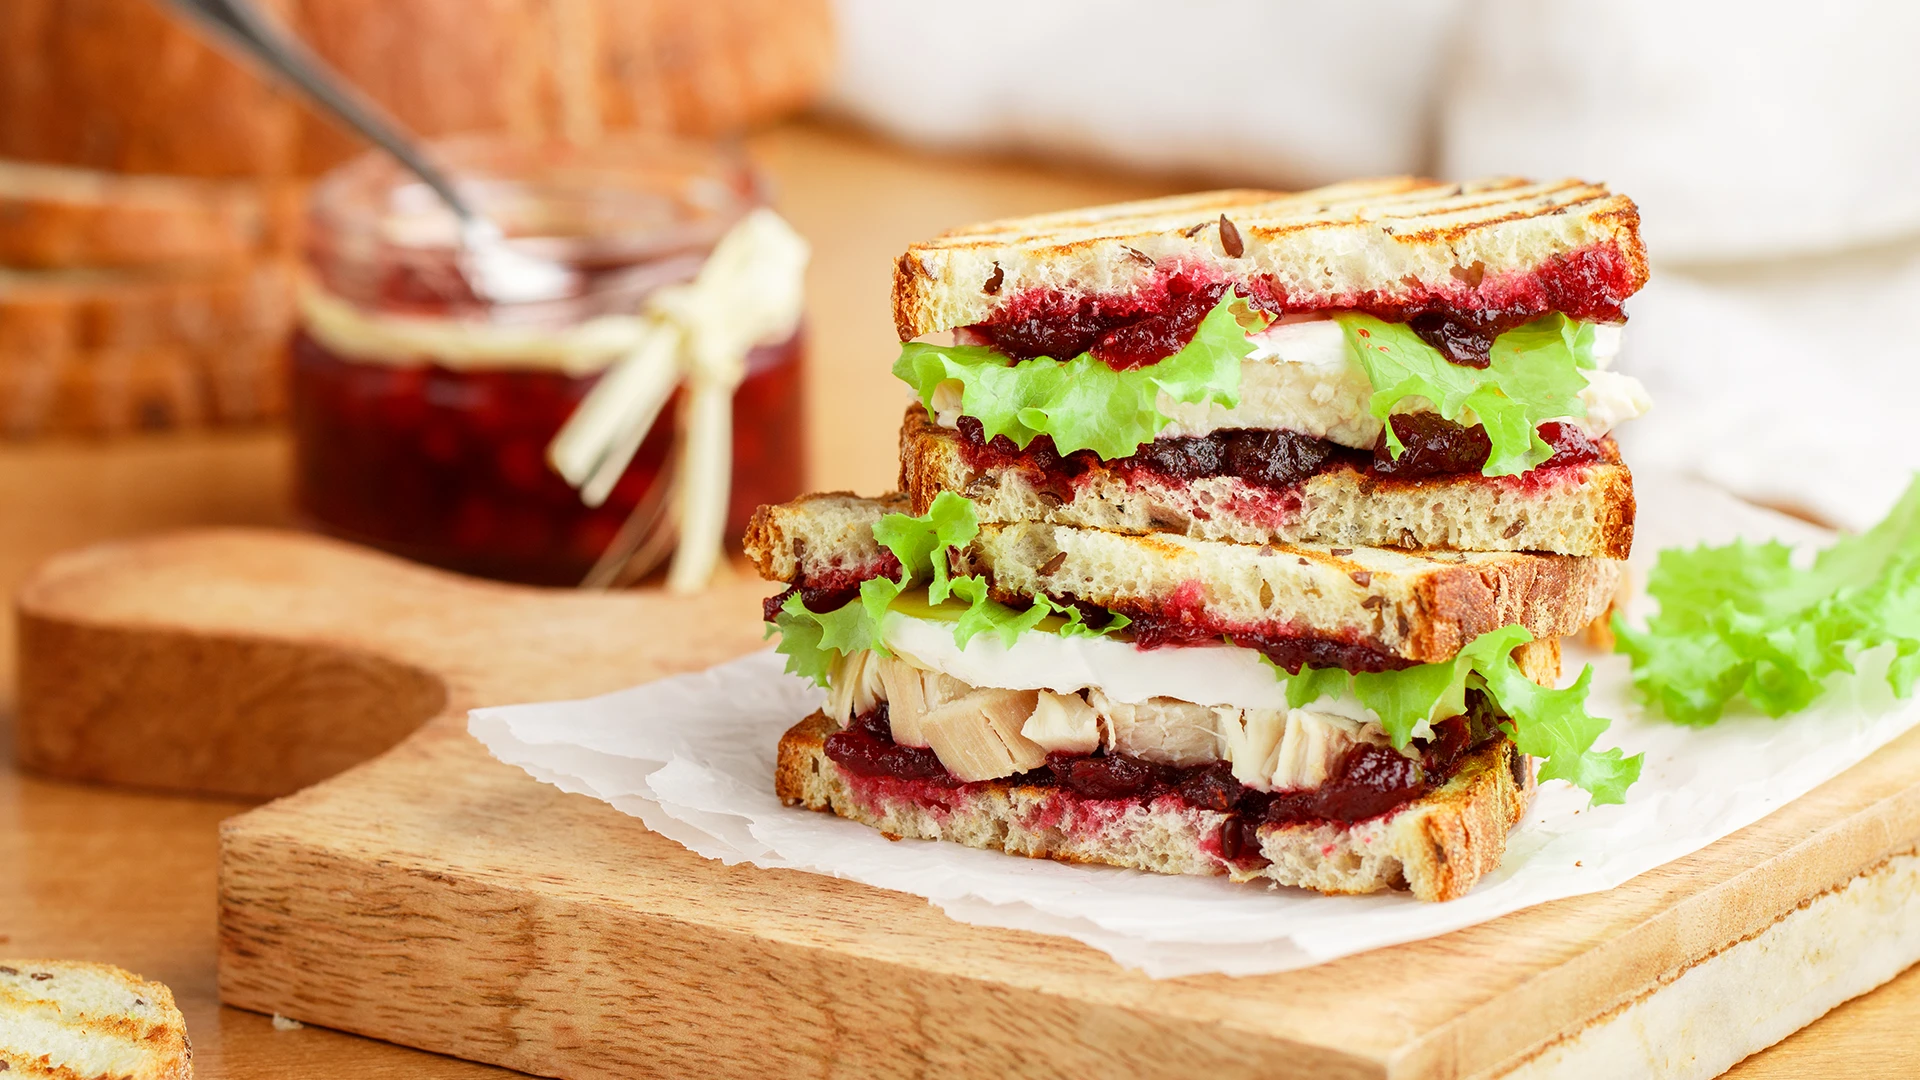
[[442, 458]]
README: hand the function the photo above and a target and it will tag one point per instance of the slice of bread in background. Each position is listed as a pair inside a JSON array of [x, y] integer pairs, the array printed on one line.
[[125, 85], [1397, 241], [61, 1020], [59, 217], [1437, 847], [100, 352], [1579, 510]]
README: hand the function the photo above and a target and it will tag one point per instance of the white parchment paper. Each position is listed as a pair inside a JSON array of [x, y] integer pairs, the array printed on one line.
[[693, 757]]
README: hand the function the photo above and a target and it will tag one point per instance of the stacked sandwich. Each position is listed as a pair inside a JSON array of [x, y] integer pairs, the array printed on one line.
[[1237, 535]]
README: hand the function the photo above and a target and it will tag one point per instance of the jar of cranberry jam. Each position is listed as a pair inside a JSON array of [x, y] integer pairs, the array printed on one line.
[[437, 451]]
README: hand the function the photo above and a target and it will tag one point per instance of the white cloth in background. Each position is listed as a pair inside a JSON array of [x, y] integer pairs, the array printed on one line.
[[1289, 93], [1772, 148], [1743, 130], [1793, 383]]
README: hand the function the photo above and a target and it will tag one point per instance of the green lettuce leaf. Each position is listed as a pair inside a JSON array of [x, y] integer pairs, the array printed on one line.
[[1740, 620], [1547, 723], [1534, 375], [800, 635], [811, 641], [1082, 403]]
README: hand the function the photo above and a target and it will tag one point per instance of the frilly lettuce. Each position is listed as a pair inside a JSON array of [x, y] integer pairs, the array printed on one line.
[[1740, 620], [1083, 404], [810, 640], [1534, 375], [1542, 722]]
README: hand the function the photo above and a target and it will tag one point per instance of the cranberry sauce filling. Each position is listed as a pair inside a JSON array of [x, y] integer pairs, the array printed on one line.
[[1465, 337], [824, 591], [1264, 456], [1270, 458], [867, 748], [1176, 625], [1158, 320], [821, 600], [1435, 446], [1121, 331], [1368, 782]]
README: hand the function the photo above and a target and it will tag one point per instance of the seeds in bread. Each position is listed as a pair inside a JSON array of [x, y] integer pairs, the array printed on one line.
[[1437, 847], [1582, 510], [60, 1020], [822, 539], [1421, 607], [1397, 241]]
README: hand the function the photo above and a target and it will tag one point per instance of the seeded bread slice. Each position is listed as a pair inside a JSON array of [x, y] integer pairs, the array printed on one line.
[[1437, 846], [1489, 244], [1422, 607], [824, 539], [60, 1020], [1571, 510], [1414, 607]]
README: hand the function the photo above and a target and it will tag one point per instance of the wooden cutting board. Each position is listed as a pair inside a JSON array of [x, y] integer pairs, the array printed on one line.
[[436, 898]]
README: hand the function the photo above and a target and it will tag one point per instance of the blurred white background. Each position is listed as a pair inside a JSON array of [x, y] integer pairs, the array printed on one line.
[[1772, 149]]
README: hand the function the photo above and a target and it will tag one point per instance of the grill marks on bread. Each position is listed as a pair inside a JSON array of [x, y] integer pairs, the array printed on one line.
[[1393, 240], [1419, 606]]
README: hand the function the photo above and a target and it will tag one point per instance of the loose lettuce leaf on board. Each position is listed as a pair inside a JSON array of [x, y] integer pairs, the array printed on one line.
[[1081, 403], [1742, 621]]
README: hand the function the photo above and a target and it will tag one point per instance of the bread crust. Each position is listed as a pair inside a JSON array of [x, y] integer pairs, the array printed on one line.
[[1413, 606], [824, 535], [53, 217], [102, 352], [62, 1020], [1392, 241], [573, 72], [1437, 846], [1585, 510]]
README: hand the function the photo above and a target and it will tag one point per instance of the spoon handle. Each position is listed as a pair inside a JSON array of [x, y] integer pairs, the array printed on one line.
[[241, 24]]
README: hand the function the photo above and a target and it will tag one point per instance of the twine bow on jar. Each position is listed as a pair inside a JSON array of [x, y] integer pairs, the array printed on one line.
[[694, 335]]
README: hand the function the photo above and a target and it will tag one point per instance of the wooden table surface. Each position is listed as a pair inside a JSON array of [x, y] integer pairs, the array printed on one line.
[[128, 878]]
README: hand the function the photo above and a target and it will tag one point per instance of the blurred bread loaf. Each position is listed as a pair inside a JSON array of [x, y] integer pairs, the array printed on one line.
[[106, 351], [151, 188], [119, 85], [57, 216], [61, 1020]]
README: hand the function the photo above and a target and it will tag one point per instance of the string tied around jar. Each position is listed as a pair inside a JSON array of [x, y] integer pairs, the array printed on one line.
[[694, 335]]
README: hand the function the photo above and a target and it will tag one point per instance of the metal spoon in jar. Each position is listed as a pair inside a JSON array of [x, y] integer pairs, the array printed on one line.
[[495, 270]]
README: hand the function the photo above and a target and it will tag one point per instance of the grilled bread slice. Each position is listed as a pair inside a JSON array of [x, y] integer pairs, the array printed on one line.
[[1562, 246], [1436, 846], [1569, 510], [824, 540], [1360, 608], [60, 1020]]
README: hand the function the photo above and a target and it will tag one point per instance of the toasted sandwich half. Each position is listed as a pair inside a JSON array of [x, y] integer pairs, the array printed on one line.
[[1392, 362], [1347, 720]]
